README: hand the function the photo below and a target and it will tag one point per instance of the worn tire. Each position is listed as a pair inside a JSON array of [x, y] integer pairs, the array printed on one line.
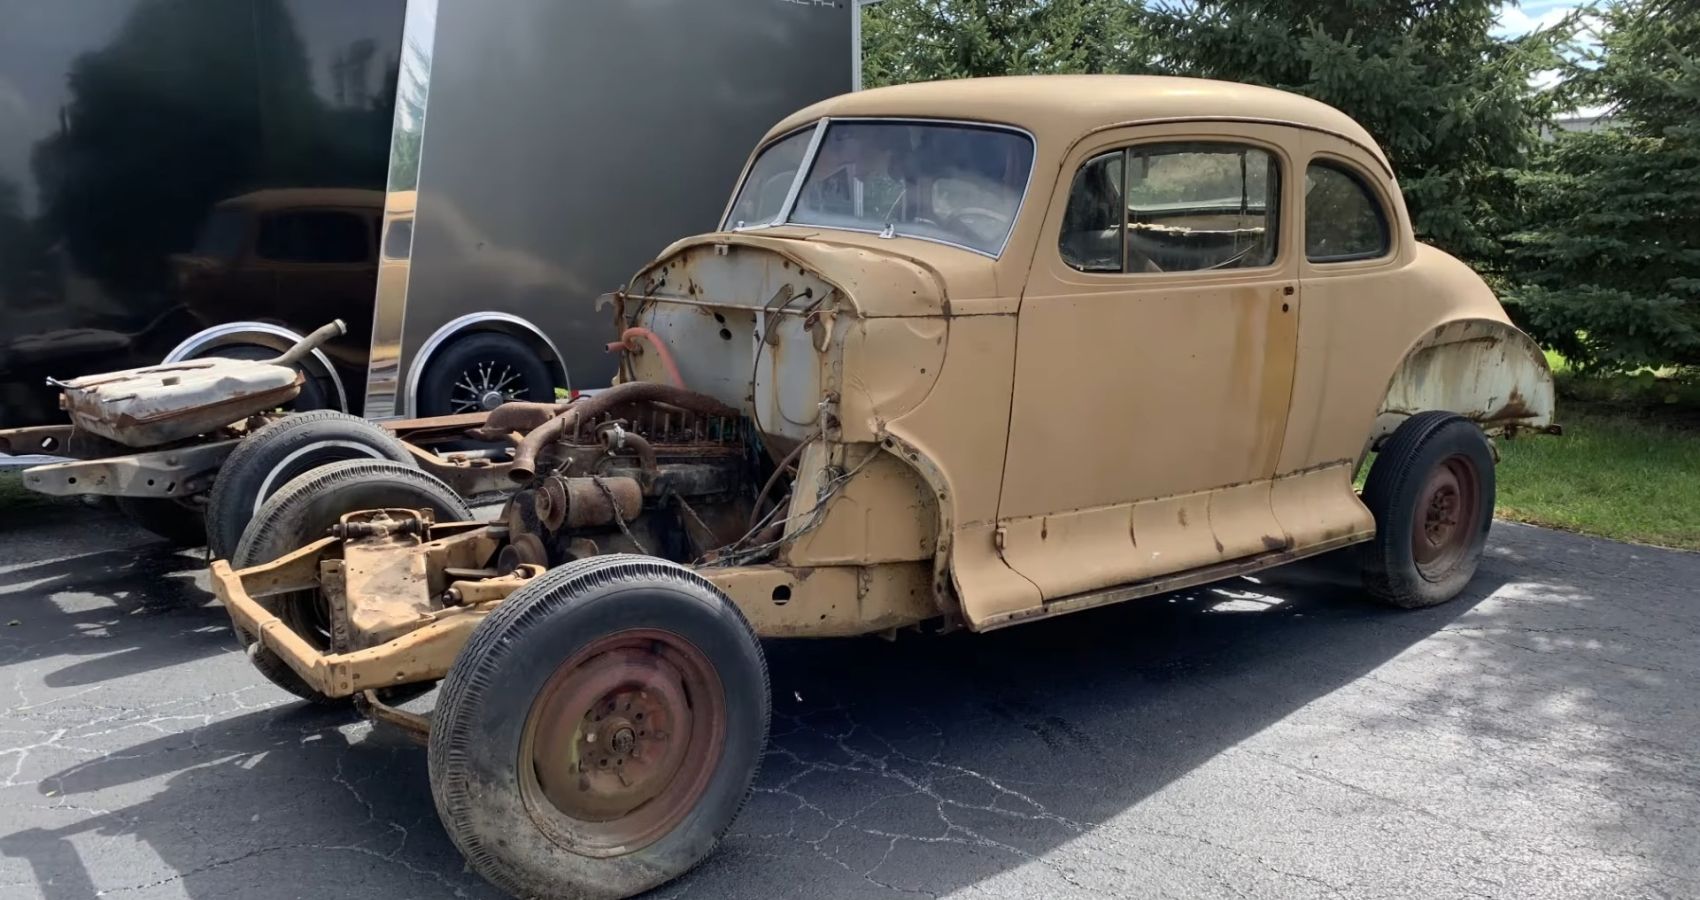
[[466, 360], [1427, 547], [300, 512], [484, 775], [183, 526], [278, 453]]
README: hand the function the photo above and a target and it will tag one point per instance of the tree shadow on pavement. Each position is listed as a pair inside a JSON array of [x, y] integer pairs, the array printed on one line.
[[972, 751], [129, 608]]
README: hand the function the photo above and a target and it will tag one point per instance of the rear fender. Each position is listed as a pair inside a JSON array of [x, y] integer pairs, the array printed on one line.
[[1484, 370]]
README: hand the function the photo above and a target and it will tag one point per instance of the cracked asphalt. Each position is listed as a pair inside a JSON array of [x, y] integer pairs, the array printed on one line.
[[1271, 738]]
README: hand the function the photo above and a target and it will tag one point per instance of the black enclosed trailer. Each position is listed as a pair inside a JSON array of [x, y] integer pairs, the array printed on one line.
[[458, 180]]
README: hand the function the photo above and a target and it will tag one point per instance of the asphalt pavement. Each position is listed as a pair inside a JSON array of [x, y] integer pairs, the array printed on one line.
[[1278, 737]]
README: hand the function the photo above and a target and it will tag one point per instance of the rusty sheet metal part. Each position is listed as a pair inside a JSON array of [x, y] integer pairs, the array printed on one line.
[[46, 440], [829, 601], [886, 513], [392, 585], [472, 592], [1164, 584], [588, 409], [518, 415], [779, 602], [422, 653], [394, 572], [1486, 371], [436, 426], [469, 475], [157, 405], [179, 472]]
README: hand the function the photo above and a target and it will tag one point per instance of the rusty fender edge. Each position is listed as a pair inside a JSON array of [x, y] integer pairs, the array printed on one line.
[[424, 654]]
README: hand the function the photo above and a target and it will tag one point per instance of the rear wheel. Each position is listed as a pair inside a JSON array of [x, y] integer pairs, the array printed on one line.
[[480, 372], [1431, 490], [280, 452], [300, 513], [601, 730]]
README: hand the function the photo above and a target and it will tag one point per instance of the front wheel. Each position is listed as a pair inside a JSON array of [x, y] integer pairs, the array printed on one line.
[[600, 731], [1431, 491]]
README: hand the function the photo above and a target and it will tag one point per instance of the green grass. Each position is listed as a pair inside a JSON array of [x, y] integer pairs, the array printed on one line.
[[14, 497], [1624, 476], [1619, 476]]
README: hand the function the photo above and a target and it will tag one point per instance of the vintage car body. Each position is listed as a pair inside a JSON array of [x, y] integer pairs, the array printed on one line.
[[1023, 396], [919, 375]]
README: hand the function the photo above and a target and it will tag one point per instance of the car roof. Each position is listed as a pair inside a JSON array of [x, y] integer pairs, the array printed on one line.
[[1067, 107]]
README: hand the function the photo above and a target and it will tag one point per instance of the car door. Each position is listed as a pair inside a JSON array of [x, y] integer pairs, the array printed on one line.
[[1154, 360]]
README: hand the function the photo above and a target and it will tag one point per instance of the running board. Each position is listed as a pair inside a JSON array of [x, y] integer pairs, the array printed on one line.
[[1166, 583]]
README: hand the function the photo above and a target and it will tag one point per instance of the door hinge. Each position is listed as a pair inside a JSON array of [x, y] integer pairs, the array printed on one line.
[[999, 535]]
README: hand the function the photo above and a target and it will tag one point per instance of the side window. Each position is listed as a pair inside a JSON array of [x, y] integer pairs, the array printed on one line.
[[1201, 206], [1096, 216], [318, 236], [1343, 218], [398, 244]]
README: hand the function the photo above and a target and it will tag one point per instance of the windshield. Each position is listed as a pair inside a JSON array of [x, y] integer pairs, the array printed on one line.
[[762, 198], [958, 184]]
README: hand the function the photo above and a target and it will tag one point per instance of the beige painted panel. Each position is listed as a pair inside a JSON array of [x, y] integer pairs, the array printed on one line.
[[1149, 408], [1319, 506], [986, 585], [1359, 322], [963, 423], [956, 436], [886, 513], [889, 368], [1150, 385], [1087, 550]]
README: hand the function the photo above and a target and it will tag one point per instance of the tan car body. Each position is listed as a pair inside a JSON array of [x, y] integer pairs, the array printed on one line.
[[1002, 438], [1032, 439], [820, 431]]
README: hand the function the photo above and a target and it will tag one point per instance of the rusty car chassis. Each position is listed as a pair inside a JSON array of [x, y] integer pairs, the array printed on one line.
[[961, 419]]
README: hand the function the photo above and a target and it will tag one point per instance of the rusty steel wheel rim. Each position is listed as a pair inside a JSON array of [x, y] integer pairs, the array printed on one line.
[[621, 742], [1445, 516]]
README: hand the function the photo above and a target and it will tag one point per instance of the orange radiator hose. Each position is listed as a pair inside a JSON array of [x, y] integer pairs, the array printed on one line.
[[626, 343]]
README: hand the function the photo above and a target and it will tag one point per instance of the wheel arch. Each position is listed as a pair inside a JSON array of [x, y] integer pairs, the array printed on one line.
[[1485, 370], [264, 334], [482, 323]]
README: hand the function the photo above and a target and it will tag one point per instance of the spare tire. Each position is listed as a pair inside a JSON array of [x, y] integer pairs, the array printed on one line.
[[281, 452], [300, 513]]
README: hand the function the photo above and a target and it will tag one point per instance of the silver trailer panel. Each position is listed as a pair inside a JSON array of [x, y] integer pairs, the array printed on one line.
[[564, 144]]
